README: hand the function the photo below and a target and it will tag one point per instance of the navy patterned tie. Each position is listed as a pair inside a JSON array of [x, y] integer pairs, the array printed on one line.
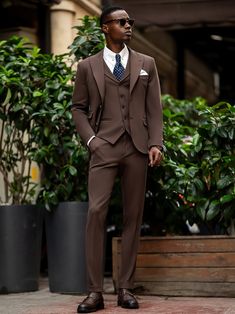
[[118, 70]]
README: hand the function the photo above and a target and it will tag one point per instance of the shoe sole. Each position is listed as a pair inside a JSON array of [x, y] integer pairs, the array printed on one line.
[[127, 306], [100, 307]]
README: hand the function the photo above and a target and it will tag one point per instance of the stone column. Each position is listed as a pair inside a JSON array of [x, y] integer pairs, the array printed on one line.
[[62, 21], [66, 15]]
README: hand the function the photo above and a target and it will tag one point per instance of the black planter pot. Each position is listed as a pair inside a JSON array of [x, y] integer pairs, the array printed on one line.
[[20, 245], [65, 232]]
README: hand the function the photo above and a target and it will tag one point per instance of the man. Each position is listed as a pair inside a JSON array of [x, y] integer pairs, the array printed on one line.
[[117, 112]]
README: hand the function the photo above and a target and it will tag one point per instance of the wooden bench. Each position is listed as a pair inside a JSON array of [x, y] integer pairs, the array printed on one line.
[[183, 265]]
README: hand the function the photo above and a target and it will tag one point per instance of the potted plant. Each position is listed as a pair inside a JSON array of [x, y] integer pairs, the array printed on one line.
[[63, 161], [20, 217]]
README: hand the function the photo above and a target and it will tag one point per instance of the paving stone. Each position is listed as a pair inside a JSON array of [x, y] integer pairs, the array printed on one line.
[[45, 302]]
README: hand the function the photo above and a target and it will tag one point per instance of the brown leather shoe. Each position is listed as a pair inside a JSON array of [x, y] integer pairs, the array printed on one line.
[[92, 303], [126, 299]]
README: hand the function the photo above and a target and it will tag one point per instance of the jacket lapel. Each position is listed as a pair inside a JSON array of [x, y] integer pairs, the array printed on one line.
[[97, 66], [136, 63]]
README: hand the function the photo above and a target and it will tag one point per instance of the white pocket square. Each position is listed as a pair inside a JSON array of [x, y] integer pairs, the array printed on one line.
[[143, 72]]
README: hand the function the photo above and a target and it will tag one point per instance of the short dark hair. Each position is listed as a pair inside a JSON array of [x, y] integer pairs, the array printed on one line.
[[106, 11]]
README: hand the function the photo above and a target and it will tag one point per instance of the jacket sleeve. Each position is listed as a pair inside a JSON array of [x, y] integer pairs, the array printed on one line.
[[80, 103], [154, 108]]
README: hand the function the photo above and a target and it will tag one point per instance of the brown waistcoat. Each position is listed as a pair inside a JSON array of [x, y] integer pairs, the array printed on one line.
[[115, 116]]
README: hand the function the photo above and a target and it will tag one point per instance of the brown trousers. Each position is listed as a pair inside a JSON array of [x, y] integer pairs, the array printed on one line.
[[105, 164]]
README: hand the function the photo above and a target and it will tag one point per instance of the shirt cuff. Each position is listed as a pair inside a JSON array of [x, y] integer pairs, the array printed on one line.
[[90, 139]]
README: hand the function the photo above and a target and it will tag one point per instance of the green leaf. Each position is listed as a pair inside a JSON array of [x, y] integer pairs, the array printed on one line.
[[201, 212], [167, 113], [201, 207], [192, 171], [227, 198], [37, 94], [8, 97], [196, 139], [231, 133], [199, 184], [46, 131], [213, 211], [225, 181], [222, 104], [72, 171], [222, 132]]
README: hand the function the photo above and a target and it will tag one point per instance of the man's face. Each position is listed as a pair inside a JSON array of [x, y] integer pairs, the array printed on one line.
[[114, 30]]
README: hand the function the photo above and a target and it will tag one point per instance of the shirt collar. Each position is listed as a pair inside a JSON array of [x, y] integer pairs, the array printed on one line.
[[124, 53]]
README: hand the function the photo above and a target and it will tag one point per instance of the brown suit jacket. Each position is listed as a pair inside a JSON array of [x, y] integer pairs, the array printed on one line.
[[145, 109]]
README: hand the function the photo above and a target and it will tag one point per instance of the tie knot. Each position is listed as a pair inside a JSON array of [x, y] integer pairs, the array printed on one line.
[[118, 58]]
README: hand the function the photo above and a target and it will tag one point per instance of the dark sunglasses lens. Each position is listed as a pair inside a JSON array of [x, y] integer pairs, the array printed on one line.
[[124, 21]]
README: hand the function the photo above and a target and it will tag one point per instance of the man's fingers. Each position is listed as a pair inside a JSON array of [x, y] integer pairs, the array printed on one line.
[[155, 157], [150, 159]]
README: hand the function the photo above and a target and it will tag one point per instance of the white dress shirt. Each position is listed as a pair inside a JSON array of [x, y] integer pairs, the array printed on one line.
[[110, 59]]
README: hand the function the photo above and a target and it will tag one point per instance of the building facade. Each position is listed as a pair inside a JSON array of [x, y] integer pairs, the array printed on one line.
[[49, 24]]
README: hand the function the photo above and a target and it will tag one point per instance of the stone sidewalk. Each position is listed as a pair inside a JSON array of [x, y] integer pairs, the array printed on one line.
[[44, 302]]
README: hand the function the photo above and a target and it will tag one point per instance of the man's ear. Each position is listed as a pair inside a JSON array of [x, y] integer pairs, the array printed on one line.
[[104, 28]]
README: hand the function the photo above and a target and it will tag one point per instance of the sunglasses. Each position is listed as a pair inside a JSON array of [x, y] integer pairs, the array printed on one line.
[[122, 22]]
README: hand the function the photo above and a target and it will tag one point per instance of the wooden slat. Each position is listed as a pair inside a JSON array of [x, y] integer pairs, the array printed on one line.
[[186, 260], [185, 266], [199, 289], [179, 245], [186, 274]]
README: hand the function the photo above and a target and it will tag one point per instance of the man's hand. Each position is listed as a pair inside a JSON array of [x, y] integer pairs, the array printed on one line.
[[155, 156]]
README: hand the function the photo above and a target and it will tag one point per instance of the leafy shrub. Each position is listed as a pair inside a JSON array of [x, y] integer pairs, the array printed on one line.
[[89, 39], [18, 78], [37, 125], [196, 180]]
